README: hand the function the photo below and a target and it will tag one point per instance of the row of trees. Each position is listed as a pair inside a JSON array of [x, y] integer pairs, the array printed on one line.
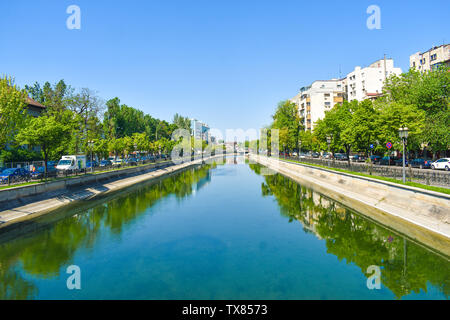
[[419, 101], [78, 121]]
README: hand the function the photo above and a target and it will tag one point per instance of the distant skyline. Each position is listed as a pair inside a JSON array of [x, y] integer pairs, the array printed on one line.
[[226, 63]]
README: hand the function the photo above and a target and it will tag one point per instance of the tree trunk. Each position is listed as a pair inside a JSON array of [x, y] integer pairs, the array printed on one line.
[[45, 162]]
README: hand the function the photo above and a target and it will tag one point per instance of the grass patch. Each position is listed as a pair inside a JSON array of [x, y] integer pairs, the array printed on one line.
[[411, 184], [78, 176], [19, 185]]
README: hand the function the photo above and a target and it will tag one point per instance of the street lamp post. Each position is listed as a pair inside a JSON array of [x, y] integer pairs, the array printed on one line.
[[91, 145], [403, 132]]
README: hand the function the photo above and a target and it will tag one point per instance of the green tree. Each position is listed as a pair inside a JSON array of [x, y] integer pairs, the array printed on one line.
[[287, 120], [363, 126], [337, 124], [182, 122], [12, 110], [116, 146], [46, 132], [394, 115], [429, 92]]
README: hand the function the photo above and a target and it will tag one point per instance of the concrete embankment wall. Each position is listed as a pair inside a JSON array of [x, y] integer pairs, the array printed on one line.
[[420, 214], [20, 213], [11, 194]]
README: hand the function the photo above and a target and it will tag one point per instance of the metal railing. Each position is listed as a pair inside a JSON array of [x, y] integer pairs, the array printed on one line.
[[32, 175], [32, 166], [424, 176]]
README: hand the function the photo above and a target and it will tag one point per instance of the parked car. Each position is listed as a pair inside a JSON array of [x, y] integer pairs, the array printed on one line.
[[375, 159], [52, 164], [340, 156], [118, 162], [399, 162], [39, 173], [131, 161], [326, 155], [421, 163], [105, 163], [357, 158], [14, 175], [93, 164], [441, 164], [315, 155], [388, 161]]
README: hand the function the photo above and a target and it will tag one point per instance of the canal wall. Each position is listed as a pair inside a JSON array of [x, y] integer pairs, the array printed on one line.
[[36, 200], [14, 193], [420, 214]]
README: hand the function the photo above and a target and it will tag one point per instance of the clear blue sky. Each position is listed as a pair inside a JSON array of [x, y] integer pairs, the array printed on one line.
[[227, 63]]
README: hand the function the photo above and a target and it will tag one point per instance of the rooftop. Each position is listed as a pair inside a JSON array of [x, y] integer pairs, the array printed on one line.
[[34, 103]]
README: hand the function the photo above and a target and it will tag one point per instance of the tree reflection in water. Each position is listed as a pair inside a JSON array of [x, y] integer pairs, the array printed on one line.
[[406, 267], [43, 254]]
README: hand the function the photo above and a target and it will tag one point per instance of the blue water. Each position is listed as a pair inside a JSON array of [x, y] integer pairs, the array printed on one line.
[[217, 232]]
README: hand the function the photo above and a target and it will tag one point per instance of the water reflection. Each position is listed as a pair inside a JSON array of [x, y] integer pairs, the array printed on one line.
[[42, 254], [406, 267], [245, 250]]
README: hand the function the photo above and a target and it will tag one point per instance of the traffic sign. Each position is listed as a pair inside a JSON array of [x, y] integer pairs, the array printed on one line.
[[388, 145], [371, 146]]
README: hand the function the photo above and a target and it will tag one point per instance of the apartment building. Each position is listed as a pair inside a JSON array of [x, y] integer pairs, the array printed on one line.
[[430, 59], [320, 96], [367, 83]]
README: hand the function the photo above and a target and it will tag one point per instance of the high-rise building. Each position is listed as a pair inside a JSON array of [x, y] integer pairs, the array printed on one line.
[[200, 130], [430, 59]]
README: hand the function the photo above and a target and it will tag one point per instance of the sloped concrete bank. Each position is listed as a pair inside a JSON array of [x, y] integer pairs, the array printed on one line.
[[19, 211], [420, 214], [12, 194]]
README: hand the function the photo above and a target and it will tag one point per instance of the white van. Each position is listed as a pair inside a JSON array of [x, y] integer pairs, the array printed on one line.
[[72, 163]]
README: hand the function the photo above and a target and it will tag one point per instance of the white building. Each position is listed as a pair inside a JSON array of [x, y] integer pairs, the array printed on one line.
[[360, 84], [320, 96], [367, 83], [431, 59]]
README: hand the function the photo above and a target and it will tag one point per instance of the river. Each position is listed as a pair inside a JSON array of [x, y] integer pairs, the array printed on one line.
[[219, 231]]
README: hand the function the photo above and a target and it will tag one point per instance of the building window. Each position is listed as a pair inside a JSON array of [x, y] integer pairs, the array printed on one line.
[[433, 57]]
